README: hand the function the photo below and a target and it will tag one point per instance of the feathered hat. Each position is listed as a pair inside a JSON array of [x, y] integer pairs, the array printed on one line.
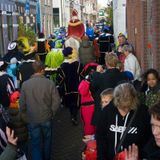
[[12, 46]]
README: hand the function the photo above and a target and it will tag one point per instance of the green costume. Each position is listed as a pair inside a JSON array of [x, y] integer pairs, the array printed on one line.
[[54, 58]]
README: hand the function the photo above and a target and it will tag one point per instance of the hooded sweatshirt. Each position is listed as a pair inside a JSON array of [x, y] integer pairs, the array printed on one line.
[[84, 90], [111, 127]]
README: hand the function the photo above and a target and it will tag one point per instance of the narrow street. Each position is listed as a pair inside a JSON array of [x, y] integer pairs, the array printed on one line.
[[67, 141], [100, 55]]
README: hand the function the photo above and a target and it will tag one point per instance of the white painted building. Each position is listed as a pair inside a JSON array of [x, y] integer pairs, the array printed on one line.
[[119, 17], [62, 11], [90, 11], [69, 5], [58, 7]]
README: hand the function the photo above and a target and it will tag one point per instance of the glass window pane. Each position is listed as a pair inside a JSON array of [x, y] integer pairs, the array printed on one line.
[[10, 27], [1, 36]]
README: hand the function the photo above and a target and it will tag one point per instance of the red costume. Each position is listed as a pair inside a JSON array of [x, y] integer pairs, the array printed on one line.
[[87, 107], [87, 101], [75, 26]]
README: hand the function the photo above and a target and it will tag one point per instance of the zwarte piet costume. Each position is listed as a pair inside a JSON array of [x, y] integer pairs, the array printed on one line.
[[68, 79]]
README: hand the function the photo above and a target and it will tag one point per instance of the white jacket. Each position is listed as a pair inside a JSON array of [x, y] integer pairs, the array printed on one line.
[[131, 64]]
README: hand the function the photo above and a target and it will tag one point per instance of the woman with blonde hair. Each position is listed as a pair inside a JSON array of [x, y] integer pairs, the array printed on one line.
[[123, 123]]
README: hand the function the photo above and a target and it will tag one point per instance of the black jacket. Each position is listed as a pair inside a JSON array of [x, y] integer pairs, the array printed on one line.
[[105, 42], [19, 124], [68, 77], [18, 55], [41, 45], [25, 70], [138, 133], [6, 88], [101, 81], [152, 151]]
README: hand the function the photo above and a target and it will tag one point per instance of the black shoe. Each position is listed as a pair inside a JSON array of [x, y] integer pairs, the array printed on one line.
[[74, 121]]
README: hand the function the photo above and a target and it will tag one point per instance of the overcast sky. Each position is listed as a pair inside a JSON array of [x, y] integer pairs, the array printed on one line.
[[103, 2]]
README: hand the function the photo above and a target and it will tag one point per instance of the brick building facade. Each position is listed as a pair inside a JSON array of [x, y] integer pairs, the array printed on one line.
[[143, 28]]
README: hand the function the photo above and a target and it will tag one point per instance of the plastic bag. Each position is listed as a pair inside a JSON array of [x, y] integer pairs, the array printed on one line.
[[91, 151]]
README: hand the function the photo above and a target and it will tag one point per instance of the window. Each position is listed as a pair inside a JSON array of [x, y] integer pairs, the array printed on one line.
[[48, 25], [22, 10], [56, 17], [1, 36], [10, 26], [44, 23], [45, 2], [34, 19], [48, 2], [18, 9]]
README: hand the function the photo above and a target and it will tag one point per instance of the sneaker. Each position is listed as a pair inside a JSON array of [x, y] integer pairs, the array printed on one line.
[[74, 121]]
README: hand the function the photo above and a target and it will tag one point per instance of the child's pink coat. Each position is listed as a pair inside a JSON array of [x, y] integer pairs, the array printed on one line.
[[87, 107]]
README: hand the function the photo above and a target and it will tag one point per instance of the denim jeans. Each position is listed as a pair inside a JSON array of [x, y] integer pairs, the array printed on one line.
[[40, 137]]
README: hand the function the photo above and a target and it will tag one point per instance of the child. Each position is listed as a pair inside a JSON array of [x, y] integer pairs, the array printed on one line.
[[18, 122], [12, 70], [151, 88], [87, 101], [87, 109], [106, 97]]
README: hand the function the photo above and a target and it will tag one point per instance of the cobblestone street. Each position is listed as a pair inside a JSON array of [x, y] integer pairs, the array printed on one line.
[[67, 141]]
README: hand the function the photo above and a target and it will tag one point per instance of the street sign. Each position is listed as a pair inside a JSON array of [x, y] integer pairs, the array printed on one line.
[[27, 7], [101, 13]]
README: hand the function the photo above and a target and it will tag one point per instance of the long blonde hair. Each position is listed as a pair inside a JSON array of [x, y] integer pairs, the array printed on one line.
[[125, 96]]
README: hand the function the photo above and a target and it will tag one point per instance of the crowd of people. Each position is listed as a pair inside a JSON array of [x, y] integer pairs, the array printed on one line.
[[119, 105]]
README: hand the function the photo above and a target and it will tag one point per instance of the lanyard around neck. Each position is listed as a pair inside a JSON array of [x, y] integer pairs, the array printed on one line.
[[124, 128]]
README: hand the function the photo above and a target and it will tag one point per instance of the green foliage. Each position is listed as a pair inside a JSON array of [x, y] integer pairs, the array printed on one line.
[[27, 32], [109, 11], [110, 15]]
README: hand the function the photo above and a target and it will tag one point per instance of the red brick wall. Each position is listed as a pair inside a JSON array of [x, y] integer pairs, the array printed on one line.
[[143, 27], [156, 33]]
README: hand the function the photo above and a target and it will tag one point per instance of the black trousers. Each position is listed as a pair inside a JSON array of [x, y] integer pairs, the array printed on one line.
[[71, 101], [102, 58], [42, 57]]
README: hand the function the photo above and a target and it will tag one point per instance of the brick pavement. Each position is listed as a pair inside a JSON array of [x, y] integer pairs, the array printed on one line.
[[67, 139]]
